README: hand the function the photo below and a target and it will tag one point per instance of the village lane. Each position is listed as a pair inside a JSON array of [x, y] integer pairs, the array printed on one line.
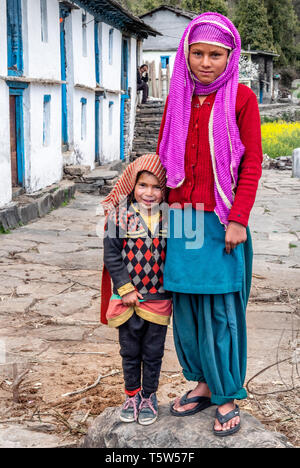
[[49, 315]]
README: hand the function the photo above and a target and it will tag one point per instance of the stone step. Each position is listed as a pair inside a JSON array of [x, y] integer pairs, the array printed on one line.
[[100, 174], [148, 124], [144, 144], [144, 140], [150, 104], [140, 152], [158, 111], [147, 119], [145, 130], [102, 179]]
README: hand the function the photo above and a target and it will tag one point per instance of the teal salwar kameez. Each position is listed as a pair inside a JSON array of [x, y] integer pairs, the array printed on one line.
[[210, 294]]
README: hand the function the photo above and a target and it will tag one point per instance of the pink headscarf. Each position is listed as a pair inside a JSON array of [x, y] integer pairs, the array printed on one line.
[[225, 144]]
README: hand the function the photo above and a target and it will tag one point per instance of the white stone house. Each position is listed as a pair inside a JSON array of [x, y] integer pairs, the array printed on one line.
[[67, 85], [171, 23]]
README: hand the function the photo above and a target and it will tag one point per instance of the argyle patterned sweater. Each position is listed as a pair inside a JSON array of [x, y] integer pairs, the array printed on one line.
[[133, 255]]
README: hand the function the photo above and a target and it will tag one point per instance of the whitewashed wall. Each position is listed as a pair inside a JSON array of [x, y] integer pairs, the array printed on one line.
[[41, 59], [151, 55], [43, 164], [111, 73], [111, 141], [5, 166], [168, 23], [84, 145], [111, 80], [84, 67], [83, 75]]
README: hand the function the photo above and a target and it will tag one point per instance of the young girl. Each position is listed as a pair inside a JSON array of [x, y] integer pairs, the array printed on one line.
[[134, 253], [210, 146]]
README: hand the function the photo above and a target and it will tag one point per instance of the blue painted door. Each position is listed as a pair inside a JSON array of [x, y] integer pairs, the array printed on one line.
[[17, 151], [261, 92]]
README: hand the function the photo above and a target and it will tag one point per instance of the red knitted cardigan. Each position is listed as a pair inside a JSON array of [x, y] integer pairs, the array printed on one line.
[[198, 186]]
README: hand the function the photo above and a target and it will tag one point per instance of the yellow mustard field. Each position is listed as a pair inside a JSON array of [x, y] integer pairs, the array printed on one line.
[[280, 138]]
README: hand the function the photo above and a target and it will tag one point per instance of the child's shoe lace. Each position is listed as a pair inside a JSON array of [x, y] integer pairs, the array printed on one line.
[[131, 402], [147, 403]]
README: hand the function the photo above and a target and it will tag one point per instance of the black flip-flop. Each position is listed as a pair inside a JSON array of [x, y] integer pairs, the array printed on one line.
[[203, 403], [226, 417]]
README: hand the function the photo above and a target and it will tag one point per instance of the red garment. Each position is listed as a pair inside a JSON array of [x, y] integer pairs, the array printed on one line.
[[198, 186]]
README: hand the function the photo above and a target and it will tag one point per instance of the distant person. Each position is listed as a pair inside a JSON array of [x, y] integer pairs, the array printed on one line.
[[142, 81]]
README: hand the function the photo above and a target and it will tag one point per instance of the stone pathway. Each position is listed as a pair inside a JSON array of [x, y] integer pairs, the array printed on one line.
[[49, 318]]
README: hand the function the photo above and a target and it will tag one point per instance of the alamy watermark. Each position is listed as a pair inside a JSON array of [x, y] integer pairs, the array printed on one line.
[[176, 222]]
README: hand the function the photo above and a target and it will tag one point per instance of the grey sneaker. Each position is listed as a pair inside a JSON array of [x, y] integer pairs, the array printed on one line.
[[129, 412], [148, 410]]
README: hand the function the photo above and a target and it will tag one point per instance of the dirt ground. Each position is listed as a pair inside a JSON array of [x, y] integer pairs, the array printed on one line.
[[54, 344], [60, 367]]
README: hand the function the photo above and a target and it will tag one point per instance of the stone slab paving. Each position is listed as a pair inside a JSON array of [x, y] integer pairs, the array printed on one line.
[[50, 297]]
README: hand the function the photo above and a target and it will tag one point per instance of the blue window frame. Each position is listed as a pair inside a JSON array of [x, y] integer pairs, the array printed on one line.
[[84, 36], [110, 46], [44, 20], [46, 120], [83, 118], [97, 52], [124, 64], [14, 38], [164, 60], [97, 126], [110, 117]]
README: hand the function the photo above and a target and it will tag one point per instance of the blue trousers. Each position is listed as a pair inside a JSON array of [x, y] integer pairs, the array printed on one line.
[[210, 294], [210, 340]]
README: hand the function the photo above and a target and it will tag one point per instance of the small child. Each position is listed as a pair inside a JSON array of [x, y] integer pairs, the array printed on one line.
[[134, 254]]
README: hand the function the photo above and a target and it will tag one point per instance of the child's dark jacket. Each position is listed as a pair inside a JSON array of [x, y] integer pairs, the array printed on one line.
[[133, 255]]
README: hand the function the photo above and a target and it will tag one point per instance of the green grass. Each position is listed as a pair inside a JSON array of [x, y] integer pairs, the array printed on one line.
[[4, 231]]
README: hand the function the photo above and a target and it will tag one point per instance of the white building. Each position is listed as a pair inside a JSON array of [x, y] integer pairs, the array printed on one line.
[[171, 23], [67, 68], [256, 66]]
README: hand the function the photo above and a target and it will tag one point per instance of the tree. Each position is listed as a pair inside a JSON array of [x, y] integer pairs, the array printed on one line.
[[252, 23], [200, 6], [284, 22]]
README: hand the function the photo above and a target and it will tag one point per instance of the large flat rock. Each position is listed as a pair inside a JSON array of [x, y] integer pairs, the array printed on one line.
[[107, 431]]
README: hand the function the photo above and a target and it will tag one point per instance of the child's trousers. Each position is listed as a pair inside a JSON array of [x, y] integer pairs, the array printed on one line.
[[142, 349]]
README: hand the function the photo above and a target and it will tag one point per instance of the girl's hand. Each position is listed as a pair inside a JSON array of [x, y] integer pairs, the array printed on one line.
[[131, 299], [235, 234]]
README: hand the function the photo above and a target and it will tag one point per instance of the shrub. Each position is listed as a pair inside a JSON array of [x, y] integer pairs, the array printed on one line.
[[280, 138]]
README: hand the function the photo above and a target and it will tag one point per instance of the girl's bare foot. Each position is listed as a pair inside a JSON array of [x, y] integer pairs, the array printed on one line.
[[224, 409], [201, 390]]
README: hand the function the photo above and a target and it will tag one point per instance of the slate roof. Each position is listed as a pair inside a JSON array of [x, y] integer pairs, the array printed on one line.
[[111, 12], [177, 11]]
